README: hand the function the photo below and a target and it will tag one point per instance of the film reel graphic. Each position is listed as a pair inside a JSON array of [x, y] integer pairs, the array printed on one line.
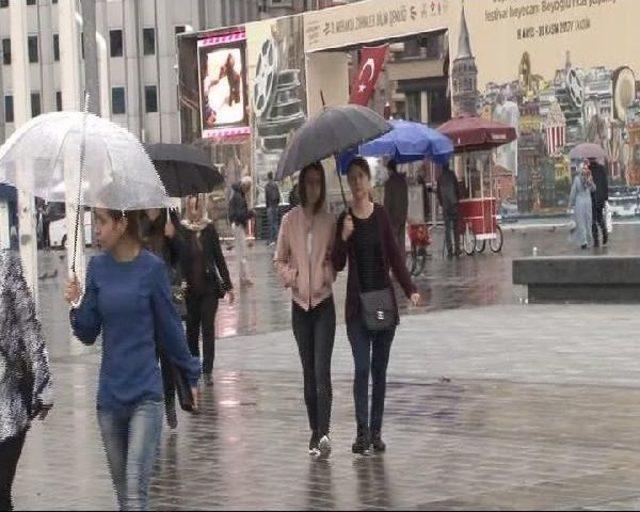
[[624, 91], [575, 88], [266, 77]]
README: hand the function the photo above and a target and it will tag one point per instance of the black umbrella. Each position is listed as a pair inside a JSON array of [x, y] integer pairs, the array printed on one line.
[[184, 170], [329, 133]]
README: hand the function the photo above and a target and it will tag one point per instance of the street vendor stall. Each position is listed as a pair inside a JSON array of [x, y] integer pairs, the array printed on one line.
[[478, 209]]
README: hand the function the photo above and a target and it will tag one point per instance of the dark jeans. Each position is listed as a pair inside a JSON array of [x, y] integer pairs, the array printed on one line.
[[272, 218], [370, 355], [201, 315], [315, 331], [10, 450], [131, 437], [451, 228], [598, 220]]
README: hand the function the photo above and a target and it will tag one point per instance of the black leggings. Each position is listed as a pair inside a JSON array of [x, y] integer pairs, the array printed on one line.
[[598, 221], [10, 450], [315, 332], [201, 313]]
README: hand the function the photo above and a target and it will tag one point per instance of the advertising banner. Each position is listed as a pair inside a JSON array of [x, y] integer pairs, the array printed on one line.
[[223, 95]]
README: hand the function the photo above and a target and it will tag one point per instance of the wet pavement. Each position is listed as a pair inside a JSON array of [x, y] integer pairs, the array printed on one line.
[[490, 404]]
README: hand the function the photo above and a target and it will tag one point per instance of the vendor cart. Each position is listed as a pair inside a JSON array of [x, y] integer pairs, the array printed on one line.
[[474, 139]]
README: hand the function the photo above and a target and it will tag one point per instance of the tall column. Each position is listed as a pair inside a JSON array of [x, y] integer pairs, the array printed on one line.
[[22, 113], [91, 55], [72, 93]]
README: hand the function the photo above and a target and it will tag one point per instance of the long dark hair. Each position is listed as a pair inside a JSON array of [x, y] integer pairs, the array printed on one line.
[[152, 232], [302, 186]]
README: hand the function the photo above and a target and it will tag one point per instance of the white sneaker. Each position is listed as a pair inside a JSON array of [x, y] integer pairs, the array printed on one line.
[[325, 445]]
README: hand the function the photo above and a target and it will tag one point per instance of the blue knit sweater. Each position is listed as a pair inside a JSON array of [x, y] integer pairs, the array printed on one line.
[[131, 304]]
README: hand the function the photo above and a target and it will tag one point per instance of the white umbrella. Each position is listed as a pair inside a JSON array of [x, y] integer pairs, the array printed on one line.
[[47, 152]]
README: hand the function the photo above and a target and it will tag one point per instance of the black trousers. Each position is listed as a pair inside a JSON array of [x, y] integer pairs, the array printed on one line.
[[315, 332], [10, 450], [598, 220], [201, 317], [167, 379]]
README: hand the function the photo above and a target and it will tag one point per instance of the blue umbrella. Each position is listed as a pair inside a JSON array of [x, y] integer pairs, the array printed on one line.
[[406, 142]]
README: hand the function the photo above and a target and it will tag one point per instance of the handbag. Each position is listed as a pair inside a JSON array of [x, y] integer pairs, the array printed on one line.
[[608, 217], [183, 388], [378, 309]]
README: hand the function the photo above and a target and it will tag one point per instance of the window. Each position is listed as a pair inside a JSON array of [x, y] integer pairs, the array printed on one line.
[[6, 51], [59, 101], [33, 49], [115, 39], [36, 108], [149, 41], [82, 44], [179, 29], [118, 104], [56, 47], [151, 98], [8, 109], [31, 2], [4, 3], [54, 1]]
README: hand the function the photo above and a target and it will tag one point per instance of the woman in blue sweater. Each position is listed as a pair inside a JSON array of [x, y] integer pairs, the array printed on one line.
[[127, 298]]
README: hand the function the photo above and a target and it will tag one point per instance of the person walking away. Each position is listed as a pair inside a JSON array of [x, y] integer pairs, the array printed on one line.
[[294, 196], [580, 201], [272, 199], [303, 261], [207, 281], [26, 391], [396, 202], [598, 199], [127, 297], [159, 237], [364, 238], [239, 216], [448, 193]]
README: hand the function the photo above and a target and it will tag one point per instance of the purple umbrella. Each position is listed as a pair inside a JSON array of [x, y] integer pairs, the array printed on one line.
[[586, 151]]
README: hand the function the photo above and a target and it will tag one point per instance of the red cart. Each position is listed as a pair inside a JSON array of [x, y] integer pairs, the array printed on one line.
[[478, 216]]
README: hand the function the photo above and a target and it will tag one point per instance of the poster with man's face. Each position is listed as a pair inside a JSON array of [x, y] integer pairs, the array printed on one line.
[[222, 86]]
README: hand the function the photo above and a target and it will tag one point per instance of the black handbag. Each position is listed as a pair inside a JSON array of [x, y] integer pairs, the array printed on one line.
[[183, 388], [378, 309]]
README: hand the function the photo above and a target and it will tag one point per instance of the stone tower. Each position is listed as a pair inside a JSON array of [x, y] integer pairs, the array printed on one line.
[[464, 74]]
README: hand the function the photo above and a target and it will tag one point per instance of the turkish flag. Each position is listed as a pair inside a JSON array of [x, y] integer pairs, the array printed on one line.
[[371, 61]]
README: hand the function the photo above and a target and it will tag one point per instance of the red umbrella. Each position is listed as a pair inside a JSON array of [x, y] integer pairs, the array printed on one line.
[[477, 134]]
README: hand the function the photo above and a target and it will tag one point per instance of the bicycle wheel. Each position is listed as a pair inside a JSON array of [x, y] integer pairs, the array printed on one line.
[[421, 260], [410, 261], [469, 240], [496, 243], [481, 245]]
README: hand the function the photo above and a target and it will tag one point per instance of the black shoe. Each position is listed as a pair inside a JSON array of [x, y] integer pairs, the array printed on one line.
[[171, 415], [313, 443], [377, 442], [584, 246], [362, 442]]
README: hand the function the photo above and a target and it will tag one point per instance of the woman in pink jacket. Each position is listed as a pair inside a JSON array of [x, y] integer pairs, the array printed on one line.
[[303, 260]]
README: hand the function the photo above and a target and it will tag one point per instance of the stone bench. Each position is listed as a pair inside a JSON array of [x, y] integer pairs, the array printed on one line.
[[574, 279]]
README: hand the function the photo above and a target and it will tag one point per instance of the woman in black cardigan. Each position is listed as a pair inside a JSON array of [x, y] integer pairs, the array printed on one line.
[[205, 273]]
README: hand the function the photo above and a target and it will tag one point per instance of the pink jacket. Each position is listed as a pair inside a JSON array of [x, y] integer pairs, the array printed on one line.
[[303, 256]]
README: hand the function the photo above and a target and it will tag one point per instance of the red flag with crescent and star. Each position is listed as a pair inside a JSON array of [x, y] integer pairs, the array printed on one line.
[[371, 61]]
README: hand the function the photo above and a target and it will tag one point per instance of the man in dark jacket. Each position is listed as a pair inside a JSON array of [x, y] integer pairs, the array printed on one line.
[[239, 216], [272, 199], [598, 200], [449, 197], [396, 202]]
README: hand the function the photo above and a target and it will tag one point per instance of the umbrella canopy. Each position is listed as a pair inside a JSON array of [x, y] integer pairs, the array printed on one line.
[[104, 164], [184, 170], [329, 133], [406, 142], [588, 150], [477, 134]]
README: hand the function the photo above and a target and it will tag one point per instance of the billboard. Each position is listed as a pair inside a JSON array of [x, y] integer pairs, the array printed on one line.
[[223, 93], [277, 91], [564, 72]]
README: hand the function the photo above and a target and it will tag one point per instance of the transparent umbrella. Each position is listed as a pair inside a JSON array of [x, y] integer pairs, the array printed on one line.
[[56, 152]]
